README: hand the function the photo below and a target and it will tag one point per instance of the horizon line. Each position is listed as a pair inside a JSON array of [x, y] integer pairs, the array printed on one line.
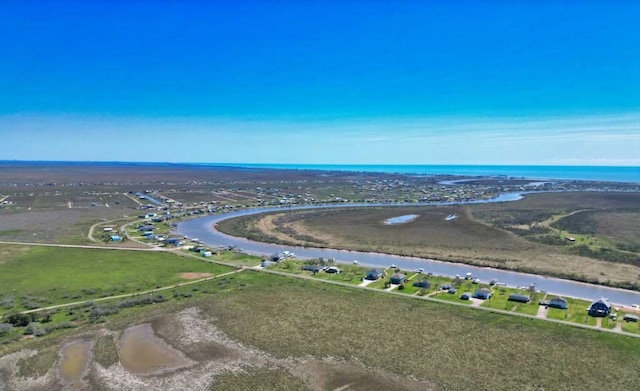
[[309, 164]]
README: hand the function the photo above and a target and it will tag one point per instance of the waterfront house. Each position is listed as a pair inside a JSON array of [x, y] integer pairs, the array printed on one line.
[[373, 274], [313, 268], [600, 308], [520, 298], [559, 302], [175, 242], [422, 284], [398, 278], [482, 294]]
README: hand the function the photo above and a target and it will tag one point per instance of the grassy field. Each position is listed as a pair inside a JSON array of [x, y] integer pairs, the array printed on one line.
[[503, 235], [33, 277]]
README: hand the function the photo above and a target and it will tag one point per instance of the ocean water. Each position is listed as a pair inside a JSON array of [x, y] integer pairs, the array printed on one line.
[[582, 173], [588, 173]]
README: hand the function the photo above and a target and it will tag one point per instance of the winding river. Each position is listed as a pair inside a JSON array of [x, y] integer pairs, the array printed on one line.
[[203, 229]]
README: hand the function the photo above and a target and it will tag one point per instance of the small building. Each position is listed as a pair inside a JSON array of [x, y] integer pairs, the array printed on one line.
[[398, 278], [466, 296], [558, 302], [482, 294], [175, 242], [313, 268], [424, 284], [115, 238], [146, 228], [373, 274], [631, 318], [446, 287], [600, 308], [520, 298], [108, 229], [452, 291], [264, 263]]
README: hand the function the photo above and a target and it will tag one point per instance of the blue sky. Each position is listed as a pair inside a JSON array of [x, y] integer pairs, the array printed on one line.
[[450, 82]]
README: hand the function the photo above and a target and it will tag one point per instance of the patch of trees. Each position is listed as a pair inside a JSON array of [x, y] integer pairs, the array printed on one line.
[[579, 223], [606, 254], [518, 217], [97, 313], [628, 247], [551, 239]]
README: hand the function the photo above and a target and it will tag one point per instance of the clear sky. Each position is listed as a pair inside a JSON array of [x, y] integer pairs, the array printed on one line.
[[446, 82]]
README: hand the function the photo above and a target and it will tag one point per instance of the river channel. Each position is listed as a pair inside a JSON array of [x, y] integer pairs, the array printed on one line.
[[203, 229]]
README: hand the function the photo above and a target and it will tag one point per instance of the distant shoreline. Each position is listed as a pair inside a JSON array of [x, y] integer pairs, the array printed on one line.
[[626, 174]]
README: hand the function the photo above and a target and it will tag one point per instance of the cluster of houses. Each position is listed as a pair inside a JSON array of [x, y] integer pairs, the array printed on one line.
[[599, 308]]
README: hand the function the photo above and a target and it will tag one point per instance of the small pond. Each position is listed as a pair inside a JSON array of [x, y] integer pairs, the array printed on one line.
[[401, 219], [73, 364], [143, 353]]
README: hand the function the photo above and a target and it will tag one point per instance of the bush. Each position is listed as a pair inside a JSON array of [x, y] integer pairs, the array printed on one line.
[[5, 328], [36, 329]]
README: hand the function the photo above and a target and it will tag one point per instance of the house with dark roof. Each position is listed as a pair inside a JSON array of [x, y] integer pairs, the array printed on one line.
[[175, 242], [373, 274], [482, 294], [398, 278], [520, 298], [313, 268], [558, 302], [600, 308], [422, 284], [466, 296]]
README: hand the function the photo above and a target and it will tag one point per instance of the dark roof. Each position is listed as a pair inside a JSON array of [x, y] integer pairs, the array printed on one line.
[[631, 317], [559, 299], [374, 271], [312, 268], [422, 284], [602, 300], [466, 295], [398, 276], [519, 297], [487, 290]]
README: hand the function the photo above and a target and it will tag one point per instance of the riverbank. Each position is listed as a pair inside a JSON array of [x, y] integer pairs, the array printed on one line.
[[203, 229]]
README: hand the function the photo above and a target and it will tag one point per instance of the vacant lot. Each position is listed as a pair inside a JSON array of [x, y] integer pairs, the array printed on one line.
[[34, 277], [295, 333], [503, 235]]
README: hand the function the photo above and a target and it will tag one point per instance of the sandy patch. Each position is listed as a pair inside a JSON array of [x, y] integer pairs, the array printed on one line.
[[195, 276]]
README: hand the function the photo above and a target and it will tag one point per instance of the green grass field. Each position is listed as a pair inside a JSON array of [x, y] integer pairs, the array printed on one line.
[[44, 276]]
